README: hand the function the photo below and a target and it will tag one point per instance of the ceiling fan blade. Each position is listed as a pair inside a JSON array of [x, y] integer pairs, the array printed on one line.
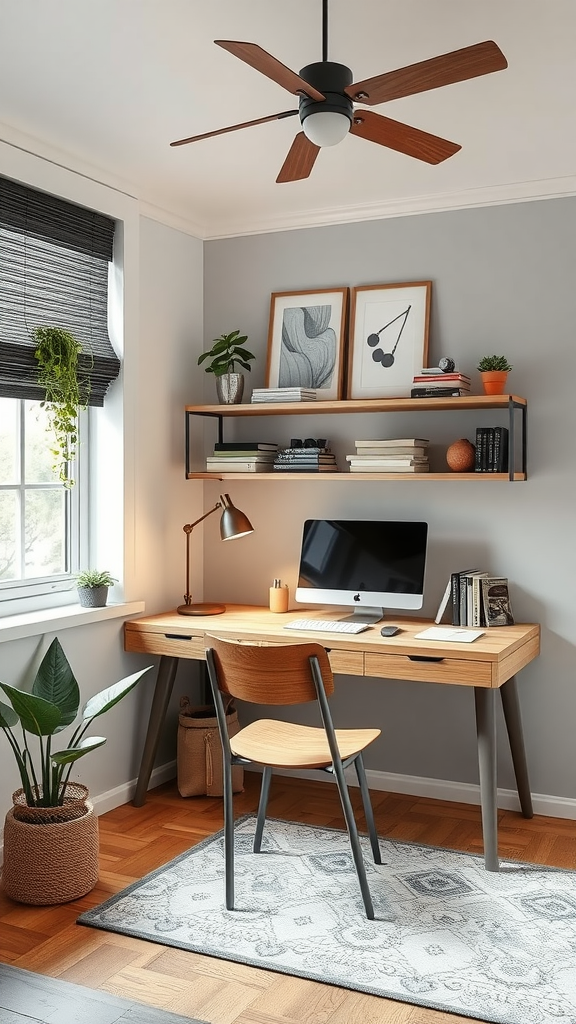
[[264, 62], [457, 66], [401, 137], [235, 127], [300, 160]]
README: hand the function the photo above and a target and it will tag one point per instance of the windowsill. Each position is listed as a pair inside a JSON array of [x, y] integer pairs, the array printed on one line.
[[15, 627]]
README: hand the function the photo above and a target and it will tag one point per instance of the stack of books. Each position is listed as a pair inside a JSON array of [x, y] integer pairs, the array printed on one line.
[[477, 598], [283, 395], [305, 460], [242, 457], [435, 384], [390, 455], [491, 450]]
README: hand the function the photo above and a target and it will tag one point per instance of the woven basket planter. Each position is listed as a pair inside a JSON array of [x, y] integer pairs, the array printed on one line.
[[54, 861]]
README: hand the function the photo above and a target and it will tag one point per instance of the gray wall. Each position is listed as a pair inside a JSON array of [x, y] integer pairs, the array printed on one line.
[[503, 281]]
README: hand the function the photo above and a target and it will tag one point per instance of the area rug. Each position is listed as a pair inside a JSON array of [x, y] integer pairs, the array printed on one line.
[[448, 934]]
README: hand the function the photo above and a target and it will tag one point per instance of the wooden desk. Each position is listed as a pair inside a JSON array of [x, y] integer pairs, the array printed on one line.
[[489, 665]]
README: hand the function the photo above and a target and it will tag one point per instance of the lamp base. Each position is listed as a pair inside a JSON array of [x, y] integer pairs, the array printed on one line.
[[201, 609]]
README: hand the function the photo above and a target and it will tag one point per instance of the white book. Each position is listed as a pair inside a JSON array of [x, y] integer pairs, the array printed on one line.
[[452, 634], [367, 467], [238, 467], [356, 460], [393, 442], [392, 453], [223, 460], [444, 602]]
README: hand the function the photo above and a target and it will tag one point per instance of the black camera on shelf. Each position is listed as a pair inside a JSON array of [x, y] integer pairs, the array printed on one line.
[[308, 442]]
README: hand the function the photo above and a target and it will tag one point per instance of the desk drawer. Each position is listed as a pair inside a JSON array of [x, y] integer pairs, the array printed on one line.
[[447, 670], [348, 663], [169, 644]]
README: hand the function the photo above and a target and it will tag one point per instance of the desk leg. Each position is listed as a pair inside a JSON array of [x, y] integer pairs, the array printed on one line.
[[486, 733], [511, 708], [160, 701]]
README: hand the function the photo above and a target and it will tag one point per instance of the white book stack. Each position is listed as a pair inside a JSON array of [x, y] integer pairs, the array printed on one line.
[[283, 395], [390, 455]]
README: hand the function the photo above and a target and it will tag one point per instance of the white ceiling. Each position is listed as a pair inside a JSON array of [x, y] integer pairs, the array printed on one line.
[[110, 83]]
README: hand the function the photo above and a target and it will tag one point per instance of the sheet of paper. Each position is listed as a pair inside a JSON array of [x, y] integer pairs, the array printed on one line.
[[454, 633]]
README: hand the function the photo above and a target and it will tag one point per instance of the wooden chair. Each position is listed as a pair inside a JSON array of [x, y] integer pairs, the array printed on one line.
[[284, 675]]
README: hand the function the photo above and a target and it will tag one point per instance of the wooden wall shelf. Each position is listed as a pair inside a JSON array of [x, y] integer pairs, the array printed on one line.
[[512, 404]]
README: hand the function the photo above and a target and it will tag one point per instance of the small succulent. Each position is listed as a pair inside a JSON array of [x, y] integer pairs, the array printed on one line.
[[225, 353], [488, 363], [95, 578]]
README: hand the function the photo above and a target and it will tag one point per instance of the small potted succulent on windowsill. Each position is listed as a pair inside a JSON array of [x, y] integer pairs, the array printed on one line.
[[494, 371], [225, 353], [93, 586]]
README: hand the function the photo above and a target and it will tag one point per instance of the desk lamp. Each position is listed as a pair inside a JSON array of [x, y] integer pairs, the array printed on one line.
[[233, 524]]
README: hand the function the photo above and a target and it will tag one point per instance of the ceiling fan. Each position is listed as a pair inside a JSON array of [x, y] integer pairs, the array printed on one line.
[[328, 94]]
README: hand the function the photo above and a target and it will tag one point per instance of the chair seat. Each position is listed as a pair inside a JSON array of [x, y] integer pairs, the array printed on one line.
[[286, 745]]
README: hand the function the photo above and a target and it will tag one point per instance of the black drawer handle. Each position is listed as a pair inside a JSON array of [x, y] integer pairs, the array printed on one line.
[[422, 657], [177, 636]]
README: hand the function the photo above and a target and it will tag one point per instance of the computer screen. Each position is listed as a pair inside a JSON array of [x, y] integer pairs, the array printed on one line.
[[367, 564]]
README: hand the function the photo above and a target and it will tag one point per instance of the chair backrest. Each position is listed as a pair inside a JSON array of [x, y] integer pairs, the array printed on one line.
[[279, 674]]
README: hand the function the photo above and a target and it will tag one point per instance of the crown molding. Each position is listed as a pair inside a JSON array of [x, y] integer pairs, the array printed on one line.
[[494, 195], [179, 222]]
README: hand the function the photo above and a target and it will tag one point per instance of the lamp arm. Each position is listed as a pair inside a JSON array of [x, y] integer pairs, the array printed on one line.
[[188, 530], [190, 526]]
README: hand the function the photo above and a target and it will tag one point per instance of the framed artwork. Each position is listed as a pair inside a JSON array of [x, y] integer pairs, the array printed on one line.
[[306, 341], [389, 326]]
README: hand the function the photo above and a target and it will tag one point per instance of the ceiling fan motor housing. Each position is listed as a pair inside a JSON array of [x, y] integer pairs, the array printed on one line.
[[330, 79]]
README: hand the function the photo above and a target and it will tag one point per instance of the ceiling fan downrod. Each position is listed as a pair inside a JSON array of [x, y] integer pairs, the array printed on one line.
[[324, 29]]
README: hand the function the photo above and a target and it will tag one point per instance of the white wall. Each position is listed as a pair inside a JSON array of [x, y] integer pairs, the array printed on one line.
[[162, 340], [503, 281]]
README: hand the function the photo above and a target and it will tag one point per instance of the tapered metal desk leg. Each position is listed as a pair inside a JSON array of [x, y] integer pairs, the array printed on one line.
[[511, 708], [162, 693], [486, 733]]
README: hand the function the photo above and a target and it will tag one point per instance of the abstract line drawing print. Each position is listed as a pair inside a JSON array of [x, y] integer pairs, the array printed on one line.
[[308, 351], [379, 355]]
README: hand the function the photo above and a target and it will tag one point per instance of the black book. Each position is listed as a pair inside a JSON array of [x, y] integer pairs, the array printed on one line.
[[457, 578], [500, 449], [496, 601], [478, 455], [436, 392]]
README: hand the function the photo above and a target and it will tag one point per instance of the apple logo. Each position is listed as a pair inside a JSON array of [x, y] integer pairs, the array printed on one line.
[[356, 597]]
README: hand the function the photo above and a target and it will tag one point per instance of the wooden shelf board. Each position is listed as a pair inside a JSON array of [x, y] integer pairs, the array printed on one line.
[[354, 476], [357, 406]]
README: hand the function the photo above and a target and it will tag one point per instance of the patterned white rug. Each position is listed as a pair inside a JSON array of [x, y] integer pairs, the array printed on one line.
[[448, 934]]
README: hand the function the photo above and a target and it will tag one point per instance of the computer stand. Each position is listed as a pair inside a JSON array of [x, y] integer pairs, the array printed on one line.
[[365, 614]]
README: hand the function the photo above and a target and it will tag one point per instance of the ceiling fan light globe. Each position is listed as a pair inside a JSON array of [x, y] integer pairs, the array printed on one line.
[[326, 127]]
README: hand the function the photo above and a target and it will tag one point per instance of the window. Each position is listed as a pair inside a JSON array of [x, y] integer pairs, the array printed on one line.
[[54, 267]]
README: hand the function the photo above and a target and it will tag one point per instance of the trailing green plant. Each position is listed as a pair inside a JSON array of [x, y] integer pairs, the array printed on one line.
[[95, 578], [499, 363], [57, 353], [226, 351], [51, 707]]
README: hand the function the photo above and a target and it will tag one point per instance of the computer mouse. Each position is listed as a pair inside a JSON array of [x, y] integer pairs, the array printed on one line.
[[390, 630]]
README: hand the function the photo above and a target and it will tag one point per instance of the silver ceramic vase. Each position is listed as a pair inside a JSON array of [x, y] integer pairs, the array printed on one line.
[[230, 388]]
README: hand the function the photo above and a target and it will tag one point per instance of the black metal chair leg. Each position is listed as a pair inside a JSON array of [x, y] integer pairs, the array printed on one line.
[[368, 812], [229, 836], [264, 791], [354, 840]]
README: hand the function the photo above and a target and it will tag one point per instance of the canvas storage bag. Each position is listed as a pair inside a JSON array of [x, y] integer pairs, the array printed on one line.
[[199, 751]]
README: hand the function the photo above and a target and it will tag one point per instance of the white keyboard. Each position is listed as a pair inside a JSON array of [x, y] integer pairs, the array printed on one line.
[[326, 626]]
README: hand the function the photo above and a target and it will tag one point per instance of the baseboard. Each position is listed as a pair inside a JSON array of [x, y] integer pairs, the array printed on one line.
[[386, 782], [443, 789]]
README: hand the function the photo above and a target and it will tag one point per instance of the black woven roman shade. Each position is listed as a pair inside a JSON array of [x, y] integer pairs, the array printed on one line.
[[54, 260]]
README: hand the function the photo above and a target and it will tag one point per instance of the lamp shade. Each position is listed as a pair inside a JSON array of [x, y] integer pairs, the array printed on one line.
[[233, 522], [326, 127]]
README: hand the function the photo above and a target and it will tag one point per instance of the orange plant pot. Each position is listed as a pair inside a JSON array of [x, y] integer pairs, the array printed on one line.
[[494, 382]]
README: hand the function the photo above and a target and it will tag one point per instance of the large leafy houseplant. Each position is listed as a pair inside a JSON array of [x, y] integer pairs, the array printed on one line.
[[226, 351], [66, 392], [50, 707]]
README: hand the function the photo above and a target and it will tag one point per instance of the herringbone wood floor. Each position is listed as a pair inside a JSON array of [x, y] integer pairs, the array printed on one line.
[[137, 840]]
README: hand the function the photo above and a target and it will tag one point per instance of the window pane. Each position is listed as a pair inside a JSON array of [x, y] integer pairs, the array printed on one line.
[[44, 533], [39, 441], [9, 440], [9, 520]]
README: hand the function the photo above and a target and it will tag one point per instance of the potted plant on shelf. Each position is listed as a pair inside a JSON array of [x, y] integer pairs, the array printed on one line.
[[226, 352], [494, 371], [92, 585], [56, 353], [51, 832]]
